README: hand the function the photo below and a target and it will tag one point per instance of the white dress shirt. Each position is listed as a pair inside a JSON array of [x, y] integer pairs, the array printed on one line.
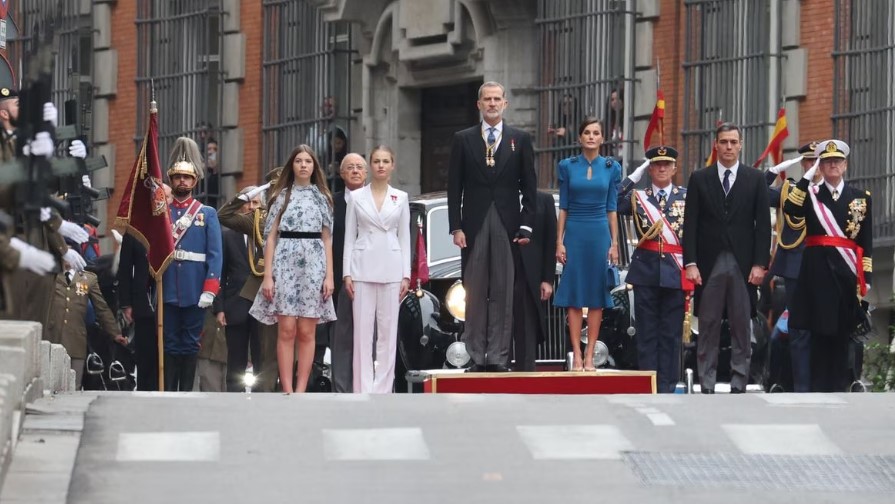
[[498, 134], [838, 188], [733, 173]]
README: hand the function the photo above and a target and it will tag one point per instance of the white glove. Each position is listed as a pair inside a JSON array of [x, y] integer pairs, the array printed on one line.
[[810, 173], [85, 180], [74, 259], [249, 196], [777, 169], [32, 258], [73, 232], [206, 299], [77, 149], [637, 174], [51, 115], [42, 145], [45, 214]]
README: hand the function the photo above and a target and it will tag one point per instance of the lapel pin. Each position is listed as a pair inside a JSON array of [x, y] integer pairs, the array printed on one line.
[[513, 144]]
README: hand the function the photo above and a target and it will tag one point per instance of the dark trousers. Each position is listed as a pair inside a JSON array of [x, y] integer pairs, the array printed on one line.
[[241, 339], [526, 324], [799, 347], [724, 291], [488, 278], [829, 363], [146, 352], [183, 329], [341, 344], [659, 321], [267, 372], [180, 372]]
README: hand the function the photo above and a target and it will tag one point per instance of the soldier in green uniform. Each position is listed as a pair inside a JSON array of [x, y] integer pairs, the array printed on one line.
[[68, 306]]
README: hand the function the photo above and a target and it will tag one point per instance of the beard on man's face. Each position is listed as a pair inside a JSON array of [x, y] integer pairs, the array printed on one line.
[[180, 191]]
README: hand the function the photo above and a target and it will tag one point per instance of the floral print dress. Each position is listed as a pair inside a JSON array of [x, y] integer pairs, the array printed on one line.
[[299, 265]]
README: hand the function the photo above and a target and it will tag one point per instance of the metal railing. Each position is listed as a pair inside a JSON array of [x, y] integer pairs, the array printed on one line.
[[731, 74], [306, 83], [864, 102], [585, 67], [179, 49]]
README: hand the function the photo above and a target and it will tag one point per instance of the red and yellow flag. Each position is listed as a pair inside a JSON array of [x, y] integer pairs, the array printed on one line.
[[775, 145], [656, 122], [143, 211]]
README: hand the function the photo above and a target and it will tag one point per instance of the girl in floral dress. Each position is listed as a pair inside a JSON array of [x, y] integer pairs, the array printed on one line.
[[296, 291]]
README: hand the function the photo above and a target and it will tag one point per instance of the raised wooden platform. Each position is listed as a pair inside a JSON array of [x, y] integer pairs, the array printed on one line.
[[551, 382]]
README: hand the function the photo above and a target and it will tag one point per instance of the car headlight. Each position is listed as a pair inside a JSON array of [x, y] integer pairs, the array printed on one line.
[[601, 351], [455, 300], [457, 355]]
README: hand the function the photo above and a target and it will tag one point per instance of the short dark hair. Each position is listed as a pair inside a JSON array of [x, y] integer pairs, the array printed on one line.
[[725, 127], [587, 122]]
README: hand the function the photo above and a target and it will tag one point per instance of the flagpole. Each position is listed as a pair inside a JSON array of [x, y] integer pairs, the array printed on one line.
[[159, 285], [659, 87]]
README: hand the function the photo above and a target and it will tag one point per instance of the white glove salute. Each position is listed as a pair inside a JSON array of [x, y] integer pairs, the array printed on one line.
[[206, 299], [810, 173], [249, 196], [85, 180], [73, 232], [637, 174], [77, 149], [42, 145], [74, 259], [777, 169], [32, 258], [45, 214], [51, 115]]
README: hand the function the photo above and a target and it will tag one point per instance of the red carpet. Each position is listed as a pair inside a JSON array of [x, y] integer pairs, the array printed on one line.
[[599, 382]]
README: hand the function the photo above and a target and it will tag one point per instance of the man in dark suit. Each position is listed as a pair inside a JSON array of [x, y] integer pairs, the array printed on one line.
[[535, 272], [727, 242], [655, 269], [231, 309], [491, 163], [353, 171], [137, 299]]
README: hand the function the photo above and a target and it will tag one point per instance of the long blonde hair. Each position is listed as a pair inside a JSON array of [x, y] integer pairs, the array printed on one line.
[[287, 178]]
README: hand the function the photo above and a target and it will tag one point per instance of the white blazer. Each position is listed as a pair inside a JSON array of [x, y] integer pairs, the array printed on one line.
[[377, 243]]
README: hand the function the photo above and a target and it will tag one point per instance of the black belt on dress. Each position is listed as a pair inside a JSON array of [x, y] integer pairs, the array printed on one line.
[[300, 235]]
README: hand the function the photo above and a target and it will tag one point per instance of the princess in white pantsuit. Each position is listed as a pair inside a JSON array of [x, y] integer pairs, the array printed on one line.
[[377, 271]]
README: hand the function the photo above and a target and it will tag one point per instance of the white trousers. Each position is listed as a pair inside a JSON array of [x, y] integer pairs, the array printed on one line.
[[375, 303]]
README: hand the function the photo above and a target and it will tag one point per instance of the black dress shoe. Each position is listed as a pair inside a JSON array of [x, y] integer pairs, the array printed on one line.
[[476, 368], [734, 390], [707, 390], [497, 368]]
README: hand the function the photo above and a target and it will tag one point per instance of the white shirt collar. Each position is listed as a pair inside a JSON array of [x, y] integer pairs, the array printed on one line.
[[733, 169], [838, 187], [498, 128], [667, 189]]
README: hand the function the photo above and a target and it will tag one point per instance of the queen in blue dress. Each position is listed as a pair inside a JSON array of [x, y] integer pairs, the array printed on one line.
[[586, 237]]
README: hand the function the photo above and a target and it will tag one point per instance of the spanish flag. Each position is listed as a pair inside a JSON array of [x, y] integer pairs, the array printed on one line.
[[656, 122], [775, 145]]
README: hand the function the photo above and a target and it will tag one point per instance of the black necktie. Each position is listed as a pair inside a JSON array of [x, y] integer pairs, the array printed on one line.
[[68, 277], [726, 183]]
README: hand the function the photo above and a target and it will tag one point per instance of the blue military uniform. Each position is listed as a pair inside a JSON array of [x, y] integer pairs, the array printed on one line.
[[786, 264], [196, 269], [656, 275], [193, 278]]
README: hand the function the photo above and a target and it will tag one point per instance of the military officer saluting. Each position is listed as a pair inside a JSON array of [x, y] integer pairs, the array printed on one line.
[[66, 325], [837, 263], [655, 269], [193, 279], [788, 258]]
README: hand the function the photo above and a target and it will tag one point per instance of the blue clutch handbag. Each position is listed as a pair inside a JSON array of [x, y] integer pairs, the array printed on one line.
[[612, 278]]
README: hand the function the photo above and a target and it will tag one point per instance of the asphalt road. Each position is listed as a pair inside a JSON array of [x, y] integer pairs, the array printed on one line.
[[221, 448]]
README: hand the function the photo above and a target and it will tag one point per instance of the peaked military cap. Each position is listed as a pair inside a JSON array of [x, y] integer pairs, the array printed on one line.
[[832, 149], [662, 153], [8, 93], [807, 150]]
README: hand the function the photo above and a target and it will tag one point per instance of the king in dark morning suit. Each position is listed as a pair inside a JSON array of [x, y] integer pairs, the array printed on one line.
[[491, 163], [535, 273], [727, 242]]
